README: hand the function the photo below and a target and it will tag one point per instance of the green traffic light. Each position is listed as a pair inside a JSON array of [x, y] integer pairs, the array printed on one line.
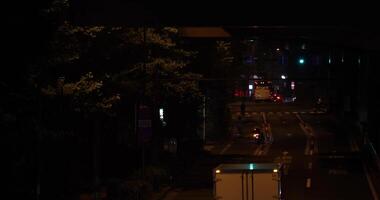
[[301, 61]]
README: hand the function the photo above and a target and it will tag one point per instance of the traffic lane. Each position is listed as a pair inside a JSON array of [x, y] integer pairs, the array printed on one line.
[[339, 178], [239, 134], [271, 106], [325, 129], [242, 143], [325, 123], [288, 136], [241, 146]]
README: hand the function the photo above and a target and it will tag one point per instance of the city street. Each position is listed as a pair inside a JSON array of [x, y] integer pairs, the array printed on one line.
[[321, 161]]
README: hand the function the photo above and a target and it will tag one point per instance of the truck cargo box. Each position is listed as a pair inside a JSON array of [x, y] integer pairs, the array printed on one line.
[[248, 181]]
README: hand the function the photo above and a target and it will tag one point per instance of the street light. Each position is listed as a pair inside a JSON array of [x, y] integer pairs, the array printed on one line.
[[283, 77]]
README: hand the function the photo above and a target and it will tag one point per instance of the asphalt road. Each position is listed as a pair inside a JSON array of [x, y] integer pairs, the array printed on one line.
[[323, 162]]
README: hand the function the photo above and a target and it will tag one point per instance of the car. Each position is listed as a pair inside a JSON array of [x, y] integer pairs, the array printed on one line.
[[277, 98], [257, 136]]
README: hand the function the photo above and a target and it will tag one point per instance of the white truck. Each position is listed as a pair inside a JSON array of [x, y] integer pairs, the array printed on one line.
[[249, 181]]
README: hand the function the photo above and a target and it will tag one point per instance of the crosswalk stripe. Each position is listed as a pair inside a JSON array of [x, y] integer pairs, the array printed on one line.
[[225, 149]]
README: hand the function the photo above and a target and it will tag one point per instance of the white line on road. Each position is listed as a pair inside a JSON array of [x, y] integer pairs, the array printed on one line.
[[307, 148], [299, 118], [370, 184], [264, 118], [308, 182], [310, 165], [258, 150], [225, 148]]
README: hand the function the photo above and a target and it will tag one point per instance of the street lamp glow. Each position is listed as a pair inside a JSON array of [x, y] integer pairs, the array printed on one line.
[[278, 49], [250, 86], [301, 61], [283, 77]]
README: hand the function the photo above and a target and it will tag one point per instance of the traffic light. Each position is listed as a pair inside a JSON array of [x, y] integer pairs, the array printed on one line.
[[301, 61]]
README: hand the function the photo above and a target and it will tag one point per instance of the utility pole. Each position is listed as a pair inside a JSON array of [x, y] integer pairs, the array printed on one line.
[[204, 119], [143, 142]]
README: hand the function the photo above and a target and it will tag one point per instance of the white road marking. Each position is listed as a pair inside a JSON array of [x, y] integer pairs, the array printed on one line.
[[264, 118], [258, 149], [225, 149], [310, 165], [299, 118], [208, 147], [338, 171], [307, 148], [370, 183], [287, 113]]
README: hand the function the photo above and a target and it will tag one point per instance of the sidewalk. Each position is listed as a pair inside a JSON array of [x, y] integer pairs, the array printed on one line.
[[370, 159], [372, 165]]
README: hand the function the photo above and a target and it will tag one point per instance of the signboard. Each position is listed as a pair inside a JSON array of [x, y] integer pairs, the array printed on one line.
[[144, 124]]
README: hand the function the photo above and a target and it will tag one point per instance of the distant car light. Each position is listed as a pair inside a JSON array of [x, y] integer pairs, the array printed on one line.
[[217, 171], [275, 170]]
